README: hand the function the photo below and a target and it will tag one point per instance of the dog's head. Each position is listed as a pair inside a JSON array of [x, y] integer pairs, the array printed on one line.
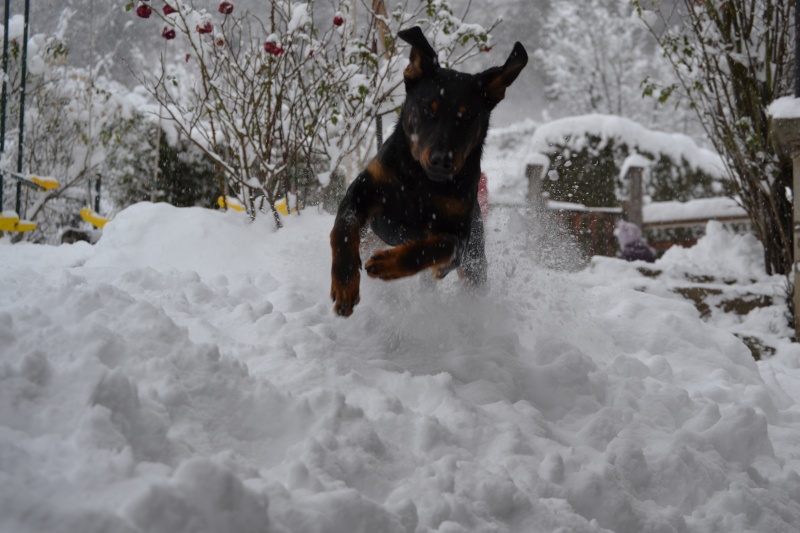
[[446, 113]]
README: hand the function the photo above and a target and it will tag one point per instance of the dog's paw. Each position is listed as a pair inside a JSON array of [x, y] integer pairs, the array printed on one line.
[[440, 271], [345, 294], [387, 265]]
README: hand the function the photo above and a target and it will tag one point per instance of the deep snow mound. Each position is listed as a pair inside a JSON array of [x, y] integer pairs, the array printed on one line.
[[187, 374]]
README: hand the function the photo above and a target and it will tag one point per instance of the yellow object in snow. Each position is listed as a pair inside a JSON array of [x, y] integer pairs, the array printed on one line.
[[45, 183], [281, 206], [93, 218], [9, 221], [230, 202]]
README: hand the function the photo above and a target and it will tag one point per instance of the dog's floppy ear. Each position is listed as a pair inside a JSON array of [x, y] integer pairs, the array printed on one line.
[[423, 56], [495, 80]]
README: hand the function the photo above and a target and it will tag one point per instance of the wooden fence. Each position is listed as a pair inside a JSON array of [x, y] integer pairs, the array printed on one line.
[[665, 224]]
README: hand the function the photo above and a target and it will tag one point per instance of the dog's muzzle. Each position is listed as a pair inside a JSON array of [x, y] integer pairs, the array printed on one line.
[[440, 166]]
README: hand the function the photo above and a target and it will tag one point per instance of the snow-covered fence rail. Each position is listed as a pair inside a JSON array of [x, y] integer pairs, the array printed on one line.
[[594, 226], [672, 215]]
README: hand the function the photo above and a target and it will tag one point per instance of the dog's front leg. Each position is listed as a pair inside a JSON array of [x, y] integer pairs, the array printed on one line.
[[437, 251], [357, 206], [346, 266]]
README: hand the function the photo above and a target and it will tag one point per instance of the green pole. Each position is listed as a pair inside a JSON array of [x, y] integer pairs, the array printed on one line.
[[24, 75], [5, 94]]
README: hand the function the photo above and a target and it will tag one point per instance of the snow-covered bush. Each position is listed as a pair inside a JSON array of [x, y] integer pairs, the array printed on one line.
[[587, 156], [295, 84], [70, 118], [147, 165], [733, 58]]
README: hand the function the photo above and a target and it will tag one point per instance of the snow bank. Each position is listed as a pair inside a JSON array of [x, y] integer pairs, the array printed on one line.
[[726, 254], [187, 374]]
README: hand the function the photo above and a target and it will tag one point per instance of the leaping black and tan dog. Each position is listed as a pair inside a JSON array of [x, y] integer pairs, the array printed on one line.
[[420, 192]]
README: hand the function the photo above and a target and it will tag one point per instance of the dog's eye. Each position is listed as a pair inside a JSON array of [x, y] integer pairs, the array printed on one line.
[[464, 113], [432, 108]]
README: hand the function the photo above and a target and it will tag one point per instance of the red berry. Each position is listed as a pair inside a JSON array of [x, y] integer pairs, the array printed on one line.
[[278, 51], [338, 20], [269, 47], [144, 11], [205, 27], [226, 8], [168, 34], [219, 40], [169, 10]]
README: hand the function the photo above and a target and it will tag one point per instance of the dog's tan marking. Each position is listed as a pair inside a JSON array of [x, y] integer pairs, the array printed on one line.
[[379, 172], [458, 161], [451, 208], [424, 156], [496, 89], [414, 69]]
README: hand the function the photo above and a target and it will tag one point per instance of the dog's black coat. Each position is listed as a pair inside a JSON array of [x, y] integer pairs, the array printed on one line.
[[420, 192]]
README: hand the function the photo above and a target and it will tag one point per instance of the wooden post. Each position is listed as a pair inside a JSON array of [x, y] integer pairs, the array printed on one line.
[[634, 177], [534, 174], [794, 148], [594, 235], [785, 136]]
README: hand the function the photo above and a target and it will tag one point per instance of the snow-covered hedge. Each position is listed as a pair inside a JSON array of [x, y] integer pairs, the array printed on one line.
[[587, 155]]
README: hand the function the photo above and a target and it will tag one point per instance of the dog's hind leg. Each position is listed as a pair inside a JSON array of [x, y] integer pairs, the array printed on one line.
[[474, 264]]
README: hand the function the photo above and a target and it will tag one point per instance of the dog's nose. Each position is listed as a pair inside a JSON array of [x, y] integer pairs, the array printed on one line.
[[441, 161]]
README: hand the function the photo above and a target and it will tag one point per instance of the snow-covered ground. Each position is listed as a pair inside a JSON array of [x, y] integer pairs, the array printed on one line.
[[186, 374]]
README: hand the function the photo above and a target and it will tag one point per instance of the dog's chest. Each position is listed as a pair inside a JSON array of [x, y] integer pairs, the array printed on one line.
[[408, 213]]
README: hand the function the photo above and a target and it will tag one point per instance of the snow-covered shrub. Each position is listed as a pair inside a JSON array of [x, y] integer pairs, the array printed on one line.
[[294, 84], [733, 58], [70, 118], [145, 165], [587, 155]]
